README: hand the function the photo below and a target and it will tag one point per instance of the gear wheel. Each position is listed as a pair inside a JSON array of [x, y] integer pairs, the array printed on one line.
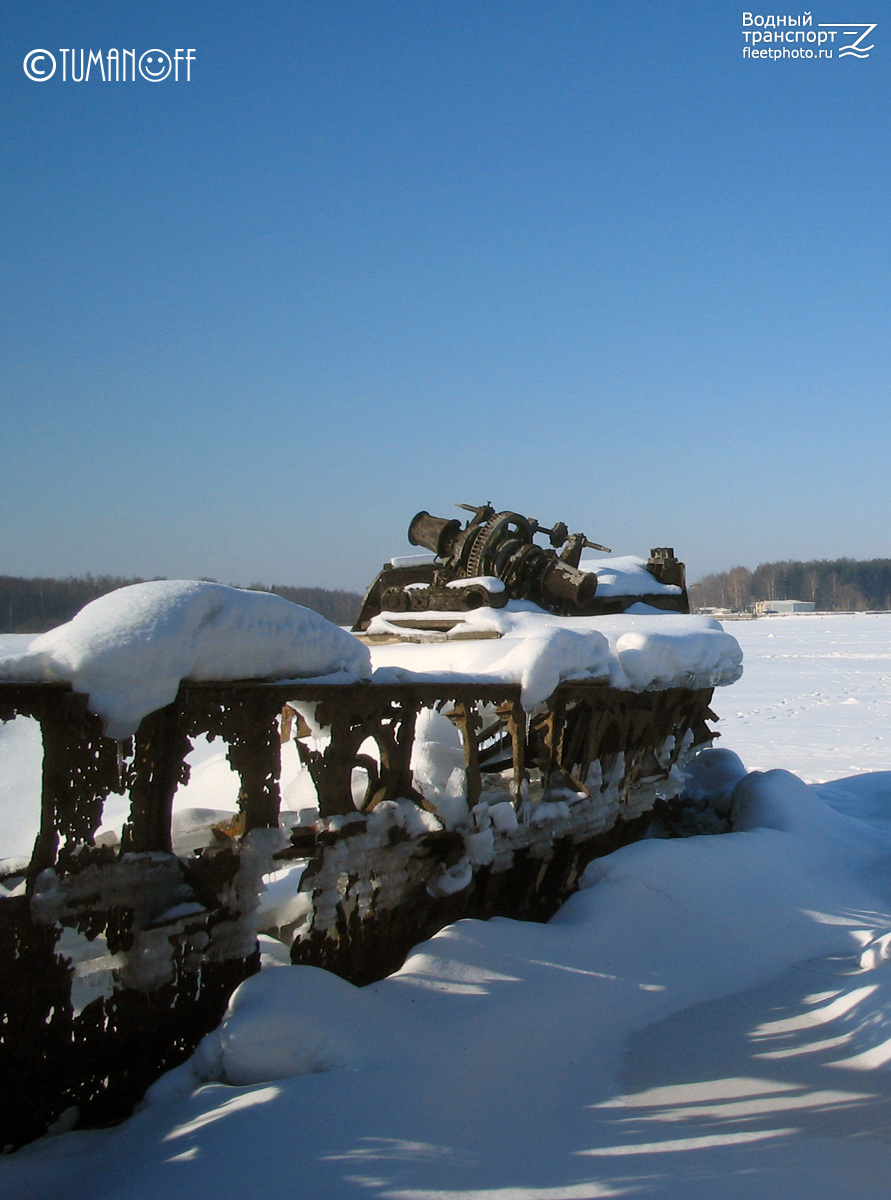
[[485, 541]]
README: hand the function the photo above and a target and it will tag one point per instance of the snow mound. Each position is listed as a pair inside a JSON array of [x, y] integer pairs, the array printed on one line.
[[712, 776], [626, 575], [537, 650], [129, 650], [651, 658], [283, 1023], [541, 662], [538, 658]]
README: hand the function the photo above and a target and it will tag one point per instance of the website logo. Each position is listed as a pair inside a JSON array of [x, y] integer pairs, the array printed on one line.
[[850, 30], [792, 35]]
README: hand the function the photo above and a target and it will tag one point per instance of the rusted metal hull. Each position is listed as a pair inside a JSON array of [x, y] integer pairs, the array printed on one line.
[[174, 935]]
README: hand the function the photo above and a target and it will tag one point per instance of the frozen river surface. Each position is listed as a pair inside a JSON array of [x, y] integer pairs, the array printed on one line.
[[815, 697]]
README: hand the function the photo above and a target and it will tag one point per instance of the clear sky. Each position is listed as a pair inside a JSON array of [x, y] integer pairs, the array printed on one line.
[[578, 258]]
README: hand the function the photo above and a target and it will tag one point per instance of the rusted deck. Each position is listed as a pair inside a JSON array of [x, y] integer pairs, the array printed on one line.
[[174, 935]]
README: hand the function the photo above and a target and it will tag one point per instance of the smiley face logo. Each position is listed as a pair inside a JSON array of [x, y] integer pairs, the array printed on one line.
[[154, 65]]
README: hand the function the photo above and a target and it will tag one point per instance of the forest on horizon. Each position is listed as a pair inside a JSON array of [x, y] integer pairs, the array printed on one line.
[[35, 605], [833, 585]]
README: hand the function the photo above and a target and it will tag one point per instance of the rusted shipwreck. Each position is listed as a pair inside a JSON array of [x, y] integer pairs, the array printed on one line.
[[538, 785]]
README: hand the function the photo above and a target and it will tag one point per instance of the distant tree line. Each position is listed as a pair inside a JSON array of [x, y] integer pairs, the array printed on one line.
[[34, 605], [836, 585], [340, 607]]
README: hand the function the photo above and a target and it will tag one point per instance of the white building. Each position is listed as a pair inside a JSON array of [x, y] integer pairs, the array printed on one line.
[[763, 607]]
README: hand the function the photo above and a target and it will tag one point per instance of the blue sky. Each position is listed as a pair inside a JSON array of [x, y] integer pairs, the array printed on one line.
[[580, 259]]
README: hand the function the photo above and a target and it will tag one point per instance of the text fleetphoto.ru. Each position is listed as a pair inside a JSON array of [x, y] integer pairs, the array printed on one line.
[[67, 65], [784, 35]]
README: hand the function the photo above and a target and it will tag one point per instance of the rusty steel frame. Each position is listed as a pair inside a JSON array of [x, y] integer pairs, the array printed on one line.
[[100, 1060]]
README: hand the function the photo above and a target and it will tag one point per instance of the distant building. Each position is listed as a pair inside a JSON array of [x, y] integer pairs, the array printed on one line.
[[762, 607]]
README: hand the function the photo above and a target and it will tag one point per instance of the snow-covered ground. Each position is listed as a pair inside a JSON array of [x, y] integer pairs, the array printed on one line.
[[815, 697], [709, 1017]]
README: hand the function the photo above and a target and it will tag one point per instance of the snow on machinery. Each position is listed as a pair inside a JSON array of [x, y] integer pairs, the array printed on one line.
[[495, 558]]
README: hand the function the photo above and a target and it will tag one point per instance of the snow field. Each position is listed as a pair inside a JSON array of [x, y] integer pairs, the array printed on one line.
[[815, 696]]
